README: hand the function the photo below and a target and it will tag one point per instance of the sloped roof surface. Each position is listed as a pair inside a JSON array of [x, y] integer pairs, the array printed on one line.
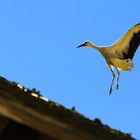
[[28, 107]]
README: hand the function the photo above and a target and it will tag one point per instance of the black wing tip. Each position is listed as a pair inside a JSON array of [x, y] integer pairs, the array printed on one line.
[[137, 24]]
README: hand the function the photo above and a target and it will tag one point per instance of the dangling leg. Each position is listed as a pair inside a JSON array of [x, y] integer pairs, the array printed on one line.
[[113, 74], [117, 86]]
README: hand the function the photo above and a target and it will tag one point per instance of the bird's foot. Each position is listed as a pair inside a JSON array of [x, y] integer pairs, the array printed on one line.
[[110, 91], [117, 86]]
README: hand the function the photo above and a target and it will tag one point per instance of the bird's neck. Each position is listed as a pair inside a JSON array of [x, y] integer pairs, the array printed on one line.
[[93, 46]]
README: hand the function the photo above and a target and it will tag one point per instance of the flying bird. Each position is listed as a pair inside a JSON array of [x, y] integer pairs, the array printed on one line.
[[120, 54]]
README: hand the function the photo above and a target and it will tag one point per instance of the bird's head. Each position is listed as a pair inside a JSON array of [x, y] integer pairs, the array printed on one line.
[[86, 43]]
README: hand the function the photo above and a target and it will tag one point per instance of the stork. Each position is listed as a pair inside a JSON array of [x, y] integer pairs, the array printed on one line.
[[120, 54]]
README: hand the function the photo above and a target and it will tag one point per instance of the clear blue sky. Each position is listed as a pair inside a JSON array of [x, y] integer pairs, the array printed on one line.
[[38, 41]]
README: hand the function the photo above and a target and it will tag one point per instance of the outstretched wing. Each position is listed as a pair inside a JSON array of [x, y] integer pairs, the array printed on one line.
[[127, 45]]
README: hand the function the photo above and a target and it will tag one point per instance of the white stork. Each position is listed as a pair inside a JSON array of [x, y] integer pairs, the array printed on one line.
[[120, 53]]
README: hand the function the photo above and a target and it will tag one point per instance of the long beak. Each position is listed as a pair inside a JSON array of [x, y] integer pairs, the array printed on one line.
[[82, 45]]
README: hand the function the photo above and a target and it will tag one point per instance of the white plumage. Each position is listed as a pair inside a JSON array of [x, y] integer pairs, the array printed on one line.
[[120, 53]]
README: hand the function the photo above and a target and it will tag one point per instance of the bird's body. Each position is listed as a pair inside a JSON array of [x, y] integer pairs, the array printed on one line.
[[121, 53], [113, 59]]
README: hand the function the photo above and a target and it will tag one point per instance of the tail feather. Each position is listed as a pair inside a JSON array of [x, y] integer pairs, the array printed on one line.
[[123, 64]]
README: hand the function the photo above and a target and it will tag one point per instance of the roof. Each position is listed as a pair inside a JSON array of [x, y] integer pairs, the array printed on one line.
[[30, 108]]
